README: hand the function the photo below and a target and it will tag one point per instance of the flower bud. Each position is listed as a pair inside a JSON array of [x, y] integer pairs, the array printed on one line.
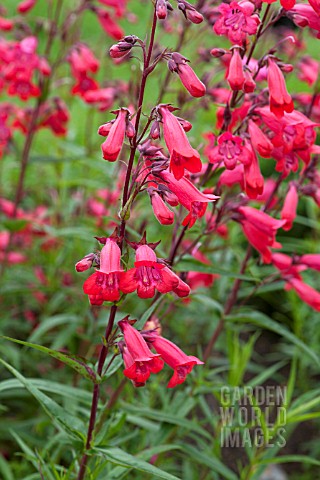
[[155, 130], [130, 130], [161, 9], [218, 52], [104, 129], [85, 263]]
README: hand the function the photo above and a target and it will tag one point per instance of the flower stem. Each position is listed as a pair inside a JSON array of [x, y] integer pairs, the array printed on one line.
[[96, 392]]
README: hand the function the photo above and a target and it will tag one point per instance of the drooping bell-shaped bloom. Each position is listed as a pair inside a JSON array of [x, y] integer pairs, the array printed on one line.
[[162, 212], [108, 24], [311, 260], [235, 75], [237, 20], [103, 285], [249, 84], [279, 98], [308, 70], [289, 209], [253, 179], [5, 24], [161, 9], [26, 6], [308, 294], [189, 197], [112, 146], [144, 362], [260, 230], [85, 263], [148, 275], [304, 15], [173, 356], [182, 155], [259, 140], [286, 266], [189, 79], [230, 150], [286, 4]]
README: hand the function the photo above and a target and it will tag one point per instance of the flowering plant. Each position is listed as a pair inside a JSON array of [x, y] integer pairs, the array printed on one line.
[[202, 201]]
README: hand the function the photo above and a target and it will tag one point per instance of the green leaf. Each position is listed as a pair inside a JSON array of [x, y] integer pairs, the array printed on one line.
[[168, 418], [14, 224], [139, 324], [263, 321], [5, 469], [210, 461], [50, 323], [72, 361], [119, 457], [69, 423], [291, 459]]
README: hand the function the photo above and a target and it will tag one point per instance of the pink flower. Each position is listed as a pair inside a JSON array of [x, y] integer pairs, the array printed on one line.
[[148, 275], [26, 6], [230, 150], [161, 9], [182, 155], [259, 140], [280, 100], [311, 260], [163, 214], [140, 362], [260, 229], [189, 79], [237, 21], [112, 146], [235, 75], [189, 197], [286, 4], [289, 209], [306, 15], [173, 356], [308, 70], [5, 24], [308, 294], [108, 24], [103, 285], [253, 179]]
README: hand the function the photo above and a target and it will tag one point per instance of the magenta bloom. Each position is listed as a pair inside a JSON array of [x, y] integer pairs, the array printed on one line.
[[289, 209], [103, 285], [26, 5], [182, 155], [112, 146], [148, 275], [235, 72], [280, 100], [140, 362], [189, 197], [230, 150], [237, 21], [307, 294], [260, 230], [162, 212], [189, 79], [259, 140], [181, 363]]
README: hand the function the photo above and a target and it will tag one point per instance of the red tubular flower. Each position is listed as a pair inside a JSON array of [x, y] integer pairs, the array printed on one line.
[[306, 15], [230, 150], [148, 275], [103, 285], [253, 179], [280, 100], [249, 84], [111, 147], [163, 214], [5, 24], [189, 79], [260, 229], [307, 294], [286, 4], [237, 21], [189, 197], [235, 72], [289, 209], [144, 362], [311, 260], [308, 70], [182, 155], [259, 140], [161, 9], [26, 6], [108, 24], [181, 363]]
